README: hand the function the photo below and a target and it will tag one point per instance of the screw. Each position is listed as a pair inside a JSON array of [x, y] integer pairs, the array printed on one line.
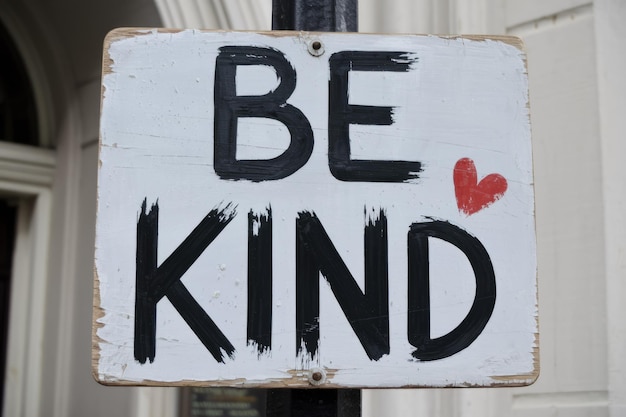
[[317, 376], [316, 47]]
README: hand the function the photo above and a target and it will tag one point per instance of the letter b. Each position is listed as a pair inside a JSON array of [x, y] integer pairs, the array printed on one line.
[[229, 107]]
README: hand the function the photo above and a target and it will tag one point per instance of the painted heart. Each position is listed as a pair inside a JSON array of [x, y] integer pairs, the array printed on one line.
[[471, 195]]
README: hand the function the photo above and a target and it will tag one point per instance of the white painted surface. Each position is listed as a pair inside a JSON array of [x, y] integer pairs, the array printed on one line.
[[520, 12], [463, 98], [611, 64]]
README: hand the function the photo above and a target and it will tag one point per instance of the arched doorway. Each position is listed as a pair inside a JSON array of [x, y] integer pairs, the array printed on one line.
[[26, 176], [18, 124]]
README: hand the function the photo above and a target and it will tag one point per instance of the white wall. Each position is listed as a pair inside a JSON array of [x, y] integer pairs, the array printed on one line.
[[610, 32]]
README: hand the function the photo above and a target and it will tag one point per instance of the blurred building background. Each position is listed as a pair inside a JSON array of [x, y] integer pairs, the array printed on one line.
[[49, 108]]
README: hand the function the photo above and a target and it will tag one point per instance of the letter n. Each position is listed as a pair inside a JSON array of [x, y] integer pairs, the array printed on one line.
[[367, 311]]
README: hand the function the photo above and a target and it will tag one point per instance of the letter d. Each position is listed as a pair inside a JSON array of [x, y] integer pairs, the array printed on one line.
[[419, 298]]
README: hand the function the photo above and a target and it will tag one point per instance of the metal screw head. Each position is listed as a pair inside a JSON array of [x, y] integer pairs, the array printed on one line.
[[317, 376], [316, 47]]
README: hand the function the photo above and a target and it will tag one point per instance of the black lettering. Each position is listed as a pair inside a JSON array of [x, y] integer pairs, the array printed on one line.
[[260, 280], [419, 296], [229, 107], [368, 311], [341, 115], [152, 283]]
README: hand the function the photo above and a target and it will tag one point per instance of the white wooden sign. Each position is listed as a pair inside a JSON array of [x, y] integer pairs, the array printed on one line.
[[287, 209]]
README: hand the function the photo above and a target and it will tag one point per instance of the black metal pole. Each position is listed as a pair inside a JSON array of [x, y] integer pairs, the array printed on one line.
[[315, 16]]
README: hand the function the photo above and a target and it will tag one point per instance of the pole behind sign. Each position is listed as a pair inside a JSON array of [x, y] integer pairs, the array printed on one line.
[[320, 16], [315, 15]]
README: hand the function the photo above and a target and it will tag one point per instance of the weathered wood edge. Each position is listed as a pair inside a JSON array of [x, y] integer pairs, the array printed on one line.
[[300, 380], [527, 379], [302, 383], [123, 33], [97, 313]]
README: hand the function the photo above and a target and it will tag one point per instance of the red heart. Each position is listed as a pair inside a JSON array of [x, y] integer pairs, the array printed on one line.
[[471, 195]]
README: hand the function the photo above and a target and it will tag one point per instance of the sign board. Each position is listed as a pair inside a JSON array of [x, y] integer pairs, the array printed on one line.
[[287, 209]]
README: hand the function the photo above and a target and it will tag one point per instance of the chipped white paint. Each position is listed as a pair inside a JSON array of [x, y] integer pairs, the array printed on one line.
[[463, 98]]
